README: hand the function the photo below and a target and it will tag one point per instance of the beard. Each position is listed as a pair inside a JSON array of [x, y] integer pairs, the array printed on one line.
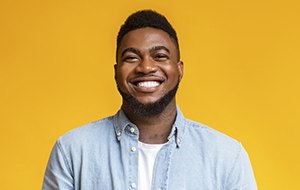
[[150, 109]]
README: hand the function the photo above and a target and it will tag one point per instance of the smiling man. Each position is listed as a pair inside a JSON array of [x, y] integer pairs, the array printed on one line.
[[148, 144]]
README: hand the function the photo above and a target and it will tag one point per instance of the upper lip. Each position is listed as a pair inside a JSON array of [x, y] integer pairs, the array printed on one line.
[[147, 78]]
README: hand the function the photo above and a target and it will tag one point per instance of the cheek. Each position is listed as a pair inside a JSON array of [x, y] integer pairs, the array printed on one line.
[[172, 71], [122, 75]]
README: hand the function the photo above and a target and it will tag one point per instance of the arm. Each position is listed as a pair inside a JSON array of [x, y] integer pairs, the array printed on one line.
[[58, 174], [241, 176]]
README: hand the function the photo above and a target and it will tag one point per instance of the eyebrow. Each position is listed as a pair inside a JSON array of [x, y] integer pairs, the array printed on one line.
[[156, 48]]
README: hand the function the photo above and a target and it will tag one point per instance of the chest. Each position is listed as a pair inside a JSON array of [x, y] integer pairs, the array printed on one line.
[[115, 167]]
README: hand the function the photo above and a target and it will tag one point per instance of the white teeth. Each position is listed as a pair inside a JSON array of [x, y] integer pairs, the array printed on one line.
[[148, 84]]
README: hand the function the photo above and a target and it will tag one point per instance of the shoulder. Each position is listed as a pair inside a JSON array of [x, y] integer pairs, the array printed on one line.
[[87, 134], [210, 139], [221, 152], [208, 133]]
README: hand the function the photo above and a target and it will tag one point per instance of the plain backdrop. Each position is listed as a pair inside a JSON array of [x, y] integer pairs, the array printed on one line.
[[241, 77]]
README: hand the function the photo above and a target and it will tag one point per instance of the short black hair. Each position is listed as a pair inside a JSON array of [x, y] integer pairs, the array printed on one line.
[[147, 18]]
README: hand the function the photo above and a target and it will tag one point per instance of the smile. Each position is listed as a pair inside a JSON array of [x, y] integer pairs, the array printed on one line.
[[148, 84]]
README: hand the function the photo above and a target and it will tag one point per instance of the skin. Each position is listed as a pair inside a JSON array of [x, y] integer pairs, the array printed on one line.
[[149, 54]]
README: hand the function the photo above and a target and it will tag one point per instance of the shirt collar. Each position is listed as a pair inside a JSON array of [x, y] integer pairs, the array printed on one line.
[[178, 128], [120, 122]]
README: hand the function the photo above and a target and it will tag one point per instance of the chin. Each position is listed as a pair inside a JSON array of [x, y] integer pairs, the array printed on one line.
[[151, 106]]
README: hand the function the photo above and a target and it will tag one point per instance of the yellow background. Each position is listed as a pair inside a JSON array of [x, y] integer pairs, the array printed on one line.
[[241, 77]]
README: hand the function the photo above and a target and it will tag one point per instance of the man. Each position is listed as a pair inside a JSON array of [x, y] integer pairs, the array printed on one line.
[[148, 144]]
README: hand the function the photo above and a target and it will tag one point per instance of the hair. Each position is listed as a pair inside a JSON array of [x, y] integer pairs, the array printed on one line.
[[147, 18]]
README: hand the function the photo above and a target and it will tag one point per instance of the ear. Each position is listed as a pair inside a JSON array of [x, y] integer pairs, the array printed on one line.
[[180, 69], [115, 69]]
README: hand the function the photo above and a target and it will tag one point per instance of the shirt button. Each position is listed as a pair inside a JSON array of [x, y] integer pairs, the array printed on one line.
[[131, 129], [133, 149], [133, 185]]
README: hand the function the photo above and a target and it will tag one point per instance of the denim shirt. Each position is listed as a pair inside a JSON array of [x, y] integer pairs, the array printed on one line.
[[103, 155]]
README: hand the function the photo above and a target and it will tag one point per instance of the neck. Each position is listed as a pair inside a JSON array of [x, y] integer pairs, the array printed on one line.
[[153, 129]]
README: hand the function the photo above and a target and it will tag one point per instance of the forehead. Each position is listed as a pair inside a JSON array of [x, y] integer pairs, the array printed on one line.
[[145, 38]]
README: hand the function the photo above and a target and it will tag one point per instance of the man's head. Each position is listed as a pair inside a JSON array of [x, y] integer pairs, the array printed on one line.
[[143, 19], [148, 69]]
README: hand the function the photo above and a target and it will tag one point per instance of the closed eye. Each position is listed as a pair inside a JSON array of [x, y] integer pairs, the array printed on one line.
[[130, 59], [161, 57]]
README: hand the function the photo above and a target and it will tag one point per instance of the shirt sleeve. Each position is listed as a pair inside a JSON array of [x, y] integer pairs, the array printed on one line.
[[58, 173], [241, 176]]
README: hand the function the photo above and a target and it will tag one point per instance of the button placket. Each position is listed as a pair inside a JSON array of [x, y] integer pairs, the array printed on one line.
[[132, 134]]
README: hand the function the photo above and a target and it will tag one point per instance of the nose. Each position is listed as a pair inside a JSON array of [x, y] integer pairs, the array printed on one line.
[[146, 66]]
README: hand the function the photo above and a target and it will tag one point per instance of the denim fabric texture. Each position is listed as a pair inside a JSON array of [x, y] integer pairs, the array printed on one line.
[[103, 155]]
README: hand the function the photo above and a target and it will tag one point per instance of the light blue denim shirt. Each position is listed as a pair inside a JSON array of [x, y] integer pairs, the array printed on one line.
[[103, 155]]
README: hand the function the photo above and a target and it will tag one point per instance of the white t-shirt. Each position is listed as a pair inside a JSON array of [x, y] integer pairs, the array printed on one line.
[[147, 155]]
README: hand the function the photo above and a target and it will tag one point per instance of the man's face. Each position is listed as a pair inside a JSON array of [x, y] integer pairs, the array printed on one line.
[[148, 67]]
